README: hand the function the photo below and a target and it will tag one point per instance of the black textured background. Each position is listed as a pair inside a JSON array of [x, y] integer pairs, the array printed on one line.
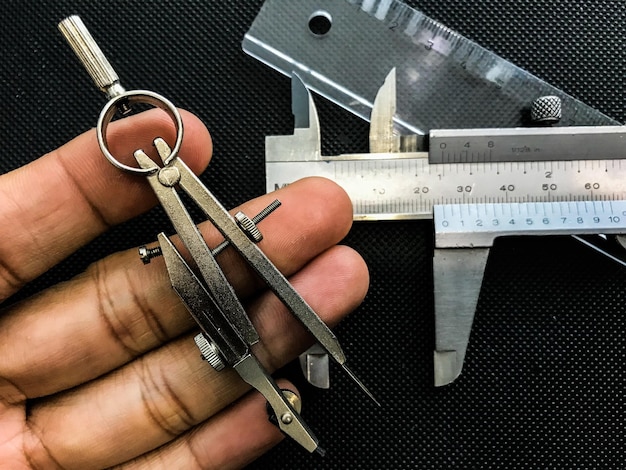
[[543, 382]]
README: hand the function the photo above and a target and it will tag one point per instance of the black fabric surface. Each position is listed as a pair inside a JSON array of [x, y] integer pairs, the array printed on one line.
[[543, 382]]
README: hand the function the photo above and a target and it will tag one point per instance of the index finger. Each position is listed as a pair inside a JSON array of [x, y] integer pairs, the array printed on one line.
[[61, 201]]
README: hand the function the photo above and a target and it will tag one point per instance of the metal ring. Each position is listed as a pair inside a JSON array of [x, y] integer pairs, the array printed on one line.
[[137, 96]]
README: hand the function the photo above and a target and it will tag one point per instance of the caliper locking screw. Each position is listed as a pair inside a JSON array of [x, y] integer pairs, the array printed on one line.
[[546, 110], [209, 352]]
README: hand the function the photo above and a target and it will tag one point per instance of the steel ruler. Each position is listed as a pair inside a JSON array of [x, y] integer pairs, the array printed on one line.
[[408, 187]]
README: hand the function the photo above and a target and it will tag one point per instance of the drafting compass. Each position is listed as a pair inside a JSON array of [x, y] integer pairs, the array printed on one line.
[[227, 334]]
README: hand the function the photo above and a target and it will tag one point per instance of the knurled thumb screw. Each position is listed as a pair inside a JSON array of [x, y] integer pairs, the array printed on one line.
[[249, 226], [209, 352]]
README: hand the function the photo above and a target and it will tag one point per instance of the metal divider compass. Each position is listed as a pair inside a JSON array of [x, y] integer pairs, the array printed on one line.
[[227, 334]]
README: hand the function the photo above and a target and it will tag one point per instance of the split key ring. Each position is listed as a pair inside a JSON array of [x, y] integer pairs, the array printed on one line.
[[123, 101]]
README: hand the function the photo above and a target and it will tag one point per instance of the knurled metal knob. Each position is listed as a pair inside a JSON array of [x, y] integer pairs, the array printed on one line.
[[209, 352], [546, 110], [249, 227], [91, 56]]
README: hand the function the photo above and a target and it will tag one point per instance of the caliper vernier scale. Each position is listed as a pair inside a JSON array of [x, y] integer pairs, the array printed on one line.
[[472, 202]]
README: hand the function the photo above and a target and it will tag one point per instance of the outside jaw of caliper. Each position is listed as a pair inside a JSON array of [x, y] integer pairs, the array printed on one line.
[[457, 277]]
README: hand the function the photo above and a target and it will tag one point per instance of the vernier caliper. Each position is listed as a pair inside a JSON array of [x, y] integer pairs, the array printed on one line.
[[227, 334], [476, 184]]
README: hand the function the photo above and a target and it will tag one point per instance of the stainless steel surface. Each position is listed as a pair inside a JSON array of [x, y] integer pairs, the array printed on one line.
[[289, 421], [255, 220], [212, 274], [130, 97], [457, 277], [353, 376], [204, 307], [209, 351], [221, 341], [384, 138], [229, 228], [249, 227], [315, 366], [463, 235], [217, 309], [472, 202], [527, 144], [304, 144], [406, 185], [105, 77]]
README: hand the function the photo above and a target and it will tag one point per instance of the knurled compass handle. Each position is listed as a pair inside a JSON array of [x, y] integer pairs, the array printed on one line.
[[91, 56], [106, 79]]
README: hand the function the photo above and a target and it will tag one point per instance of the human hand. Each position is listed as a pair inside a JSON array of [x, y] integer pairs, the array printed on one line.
[[102, 370]]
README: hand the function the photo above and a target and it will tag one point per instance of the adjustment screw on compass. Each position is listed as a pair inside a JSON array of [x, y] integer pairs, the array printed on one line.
[[267, 211], [249, 227], [146, 254], [256, 219], [546, 110], [209, 352]]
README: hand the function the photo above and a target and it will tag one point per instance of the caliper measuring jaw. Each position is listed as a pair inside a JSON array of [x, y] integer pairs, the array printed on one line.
[[471, 201]]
